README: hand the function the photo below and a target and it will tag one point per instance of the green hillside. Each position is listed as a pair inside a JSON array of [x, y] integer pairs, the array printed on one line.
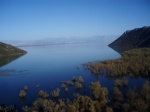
[[9, 50]]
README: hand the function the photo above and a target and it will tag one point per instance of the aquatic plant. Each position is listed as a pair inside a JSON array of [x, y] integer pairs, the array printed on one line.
[[139, 100], [95, 87], [84, 104], [85, 66], [43, 94], [40, 103], [48, 105], [8, 108], [117, 106], [126, 107], [80, 79], [99, 93], [118, 82], [87, 104], [117, 94], [46, 95], [141, 106], [78, 85], [26, 109], [22, 94], [63, 85], [74, 79], [109, 109], [135, 101], [55, 93], [66, 89], [121, 82], [26, 88], [70, 83], [71, 108], [145, 91]]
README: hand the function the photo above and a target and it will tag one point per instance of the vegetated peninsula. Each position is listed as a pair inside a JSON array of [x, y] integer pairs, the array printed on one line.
[[131, 39], [9, 50], [134, 46]]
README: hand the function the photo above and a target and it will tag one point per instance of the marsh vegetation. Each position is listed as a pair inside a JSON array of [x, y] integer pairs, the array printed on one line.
[[98, 101], [133, 63]]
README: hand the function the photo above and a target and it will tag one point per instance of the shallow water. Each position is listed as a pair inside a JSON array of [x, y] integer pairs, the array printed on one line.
[[48, 65]]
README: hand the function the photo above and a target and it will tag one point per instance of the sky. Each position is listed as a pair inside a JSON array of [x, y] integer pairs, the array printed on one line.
[[37, 19]]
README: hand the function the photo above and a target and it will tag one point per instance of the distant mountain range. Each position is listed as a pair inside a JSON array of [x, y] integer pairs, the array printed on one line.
[[131, 39], [61, 40], [9, 50]]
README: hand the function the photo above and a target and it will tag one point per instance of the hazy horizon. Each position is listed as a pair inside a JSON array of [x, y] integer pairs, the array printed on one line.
[[61, 40]]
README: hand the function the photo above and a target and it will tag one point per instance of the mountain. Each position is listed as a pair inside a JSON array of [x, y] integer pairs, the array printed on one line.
[[62, 40], [131, 39], [9, 50]]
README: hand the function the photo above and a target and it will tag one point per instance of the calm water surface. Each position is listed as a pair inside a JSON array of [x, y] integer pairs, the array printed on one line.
[[48, 65]]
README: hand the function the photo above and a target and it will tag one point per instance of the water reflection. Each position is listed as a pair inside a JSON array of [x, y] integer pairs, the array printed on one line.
[[117, 49], [4, 60]]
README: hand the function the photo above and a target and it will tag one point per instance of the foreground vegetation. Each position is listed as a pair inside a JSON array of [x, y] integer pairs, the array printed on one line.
[[98, 101], [133, 63]]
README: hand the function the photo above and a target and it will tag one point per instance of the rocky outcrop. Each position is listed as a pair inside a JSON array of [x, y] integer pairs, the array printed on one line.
[[131, 39]]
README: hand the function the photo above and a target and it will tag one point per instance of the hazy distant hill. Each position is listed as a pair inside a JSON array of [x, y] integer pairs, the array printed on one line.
[[62, 40], [136, 38], [9, 50]]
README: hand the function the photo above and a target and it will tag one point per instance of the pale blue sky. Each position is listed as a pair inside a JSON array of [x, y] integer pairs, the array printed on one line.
[[34, 19]]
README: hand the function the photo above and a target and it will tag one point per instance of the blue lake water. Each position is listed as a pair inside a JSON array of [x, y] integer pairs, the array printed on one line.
[[48, 65]]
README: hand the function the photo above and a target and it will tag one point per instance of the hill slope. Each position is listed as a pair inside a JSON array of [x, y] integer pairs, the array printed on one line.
[[136, 38], [8, 50]]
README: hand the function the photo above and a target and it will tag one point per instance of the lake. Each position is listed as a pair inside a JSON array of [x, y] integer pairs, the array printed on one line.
[[48, 65]]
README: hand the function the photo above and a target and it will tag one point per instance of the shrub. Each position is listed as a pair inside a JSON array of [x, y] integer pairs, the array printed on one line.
[[26, 88], [55, 93], [78, 85], [22, 94]]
